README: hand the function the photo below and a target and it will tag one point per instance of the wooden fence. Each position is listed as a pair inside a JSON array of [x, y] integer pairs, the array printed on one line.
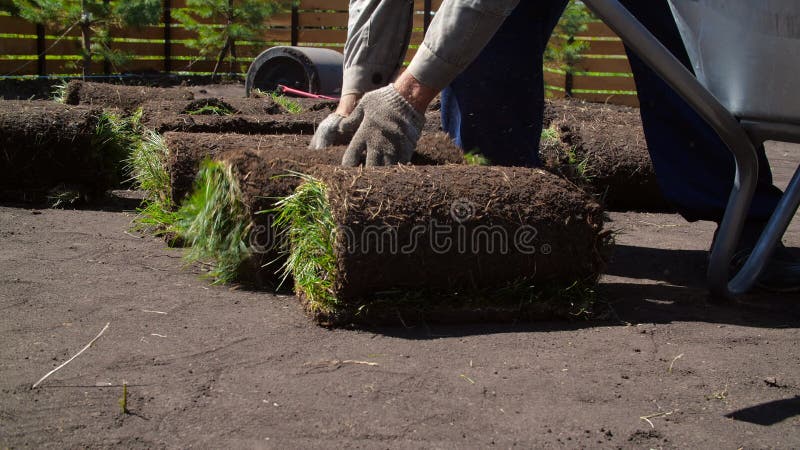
[[603, 74]]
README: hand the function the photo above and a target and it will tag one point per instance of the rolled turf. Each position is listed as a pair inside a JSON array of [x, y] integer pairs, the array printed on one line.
[[186, 150], [45, 144], [222, 220], [602, 149], [451, 243], [126, 98]]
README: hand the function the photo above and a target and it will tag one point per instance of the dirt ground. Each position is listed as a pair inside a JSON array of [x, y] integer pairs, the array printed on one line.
[[214, 366]]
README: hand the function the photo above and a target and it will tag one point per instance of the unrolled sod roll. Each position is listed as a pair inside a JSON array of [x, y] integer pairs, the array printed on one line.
[[126, 98], [301, 123], [212, 106], [453, 243]]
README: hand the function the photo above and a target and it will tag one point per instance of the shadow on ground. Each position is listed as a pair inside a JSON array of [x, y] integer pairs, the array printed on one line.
[[644, 285], [768, 413]]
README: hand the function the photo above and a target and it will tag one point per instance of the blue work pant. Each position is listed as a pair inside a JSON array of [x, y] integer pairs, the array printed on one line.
[[496, 107]]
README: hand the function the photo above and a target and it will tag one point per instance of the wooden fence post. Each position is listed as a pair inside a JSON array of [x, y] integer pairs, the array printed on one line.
[[41, 66], [167, 36], [106, 62], [295, 23], [426, 21]]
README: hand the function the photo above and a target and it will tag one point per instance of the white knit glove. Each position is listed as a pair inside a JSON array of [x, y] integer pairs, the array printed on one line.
[[388, 129], [330, 132]]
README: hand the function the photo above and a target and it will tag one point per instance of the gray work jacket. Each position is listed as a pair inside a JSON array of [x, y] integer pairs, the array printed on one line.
[[379, 30]]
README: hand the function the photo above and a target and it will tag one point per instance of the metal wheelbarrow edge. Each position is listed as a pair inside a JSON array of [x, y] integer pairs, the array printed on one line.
[[739, 142]]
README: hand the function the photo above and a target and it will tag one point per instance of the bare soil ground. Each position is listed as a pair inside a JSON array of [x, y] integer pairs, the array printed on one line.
[[212, 366]]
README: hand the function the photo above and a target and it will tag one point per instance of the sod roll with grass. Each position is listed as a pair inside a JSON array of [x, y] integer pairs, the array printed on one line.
[[45, 144], [220, 220], [185, 151], [246, 116], [126, 98], [227, 220], [448, 242], [602, 148]]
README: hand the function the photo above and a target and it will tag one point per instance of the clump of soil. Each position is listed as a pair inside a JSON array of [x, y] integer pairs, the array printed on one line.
[[466, 234], [126, 98], [187, 150], [46, 144], [602, 148]]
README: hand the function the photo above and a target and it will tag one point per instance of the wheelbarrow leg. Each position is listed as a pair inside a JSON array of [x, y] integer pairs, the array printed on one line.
[[763, 249], [660, 60]]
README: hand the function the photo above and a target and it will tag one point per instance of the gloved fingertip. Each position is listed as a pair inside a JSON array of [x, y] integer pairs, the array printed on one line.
[[374, 158], [354, 155]]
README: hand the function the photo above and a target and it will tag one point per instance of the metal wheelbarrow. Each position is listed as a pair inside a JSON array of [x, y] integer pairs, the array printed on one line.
[[729, 43]]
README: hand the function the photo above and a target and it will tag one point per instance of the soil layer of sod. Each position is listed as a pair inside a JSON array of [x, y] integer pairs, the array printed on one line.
[[451, 243], [186, 151], [126, 98], [602, 148], [45, 144], [260, 116], [240, 188]]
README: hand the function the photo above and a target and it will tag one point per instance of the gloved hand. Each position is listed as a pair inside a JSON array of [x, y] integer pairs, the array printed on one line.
[[388, 129], [330, 132]]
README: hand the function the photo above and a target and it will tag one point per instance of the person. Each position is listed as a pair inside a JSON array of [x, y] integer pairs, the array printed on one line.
[[378, 34], [493, 101]]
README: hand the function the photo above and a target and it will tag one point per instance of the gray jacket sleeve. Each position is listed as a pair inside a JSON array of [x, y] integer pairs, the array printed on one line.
[[378, 32], [459, 31]]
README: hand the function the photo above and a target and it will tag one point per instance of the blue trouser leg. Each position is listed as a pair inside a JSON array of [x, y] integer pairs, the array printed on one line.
[[496, 105], [693, 167]]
